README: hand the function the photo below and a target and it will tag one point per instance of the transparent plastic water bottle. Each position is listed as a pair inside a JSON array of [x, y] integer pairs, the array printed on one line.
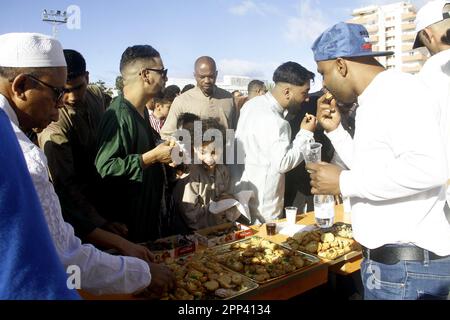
[[324, 210], [347, 209]]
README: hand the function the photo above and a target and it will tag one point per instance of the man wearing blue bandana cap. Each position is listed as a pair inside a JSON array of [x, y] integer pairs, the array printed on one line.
[[396, 168]]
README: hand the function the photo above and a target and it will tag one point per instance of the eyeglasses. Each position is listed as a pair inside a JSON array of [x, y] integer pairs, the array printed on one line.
[[162, 72], [58, 92]]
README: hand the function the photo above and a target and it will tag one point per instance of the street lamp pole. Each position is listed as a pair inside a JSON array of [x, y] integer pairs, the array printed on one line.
[[55, 18]]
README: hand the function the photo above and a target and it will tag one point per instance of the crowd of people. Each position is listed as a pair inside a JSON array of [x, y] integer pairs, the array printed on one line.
[[83, 174]]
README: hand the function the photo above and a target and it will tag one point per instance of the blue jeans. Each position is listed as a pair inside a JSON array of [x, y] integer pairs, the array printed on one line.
[[406, 280]]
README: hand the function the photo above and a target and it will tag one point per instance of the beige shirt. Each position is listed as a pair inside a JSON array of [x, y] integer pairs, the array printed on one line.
[[220, 105], [194, 193]]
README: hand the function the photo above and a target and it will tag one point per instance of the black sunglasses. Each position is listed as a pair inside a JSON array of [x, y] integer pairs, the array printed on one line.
[[162, 72], [58, 92]]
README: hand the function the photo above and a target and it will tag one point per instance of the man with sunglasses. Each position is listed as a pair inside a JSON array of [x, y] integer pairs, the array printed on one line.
[[70, 145], [129, 159]]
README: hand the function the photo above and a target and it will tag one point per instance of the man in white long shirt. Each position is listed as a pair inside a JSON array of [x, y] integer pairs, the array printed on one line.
[[397, 168], [263, 139], [433, 32], [32, 77]]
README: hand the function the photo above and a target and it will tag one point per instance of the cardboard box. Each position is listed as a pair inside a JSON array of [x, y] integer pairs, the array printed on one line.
[[172, 247], [207, 238]]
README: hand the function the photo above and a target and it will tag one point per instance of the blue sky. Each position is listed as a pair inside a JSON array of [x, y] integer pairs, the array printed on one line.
[[245, 37]]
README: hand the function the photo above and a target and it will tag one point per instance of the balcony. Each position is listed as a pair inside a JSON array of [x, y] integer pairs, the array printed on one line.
[[409, 37], [372, 28], [359, 20], [365, 11], [418, 57], [407, 47], [408, 26], [390, 33], [411, 69], [391, 43], [374, 38], [408, 16], [390, 23]]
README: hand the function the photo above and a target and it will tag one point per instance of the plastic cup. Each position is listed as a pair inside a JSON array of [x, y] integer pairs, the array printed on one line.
[[291, 215], [312, 152]]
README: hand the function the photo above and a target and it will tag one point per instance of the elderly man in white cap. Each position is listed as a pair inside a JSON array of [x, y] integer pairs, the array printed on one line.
[[433, 32], [32, 77], [28, 269]]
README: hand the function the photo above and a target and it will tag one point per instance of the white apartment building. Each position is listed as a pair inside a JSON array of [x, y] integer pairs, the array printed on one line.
[[391, 28]]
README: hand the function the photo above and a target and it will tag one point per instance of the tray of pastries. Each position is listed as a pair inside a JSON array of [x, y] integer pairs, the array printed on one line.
[[329, 244], [222, 234], [199, 278], [260, 259]]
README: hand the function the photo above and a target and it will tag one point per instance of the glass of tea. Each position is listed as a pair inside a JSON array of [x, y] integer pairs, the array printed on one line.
[[271, 228]]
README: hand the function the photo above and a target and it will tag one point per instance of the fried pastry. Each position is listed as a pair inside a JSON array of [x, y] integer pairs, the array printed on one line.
[[211, 285], [327, 237]]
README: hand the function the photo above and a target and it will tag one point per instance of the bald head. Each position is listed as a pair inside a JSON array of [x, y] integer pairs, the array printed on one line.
[[205, 74], [203, 62]]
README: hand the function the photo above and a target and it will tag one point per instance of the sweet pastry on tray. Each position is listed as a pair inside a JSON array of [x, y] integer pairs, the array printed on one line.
[[199, 278], [344, 231], [261, 259], [327, 245]]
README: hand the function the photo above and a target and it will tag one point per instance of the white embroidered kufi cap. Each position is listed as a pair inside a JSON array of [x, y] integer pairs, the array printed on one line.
[[30, 50]]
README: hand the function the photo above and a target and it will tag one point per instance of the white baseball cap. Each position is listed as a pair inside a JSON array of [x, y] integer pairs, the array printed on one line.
[[429, 14], [30, 50]]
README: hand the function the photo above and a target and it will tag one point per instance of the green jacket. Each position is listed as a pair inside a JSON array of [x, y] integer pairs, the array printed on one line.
[[129, 193]]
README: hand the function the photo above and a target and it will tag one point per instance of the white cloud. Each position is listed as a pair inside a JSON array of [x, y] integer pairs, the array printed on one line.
[[249, 7], [308, 24], [243, 8], [246, 68]]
